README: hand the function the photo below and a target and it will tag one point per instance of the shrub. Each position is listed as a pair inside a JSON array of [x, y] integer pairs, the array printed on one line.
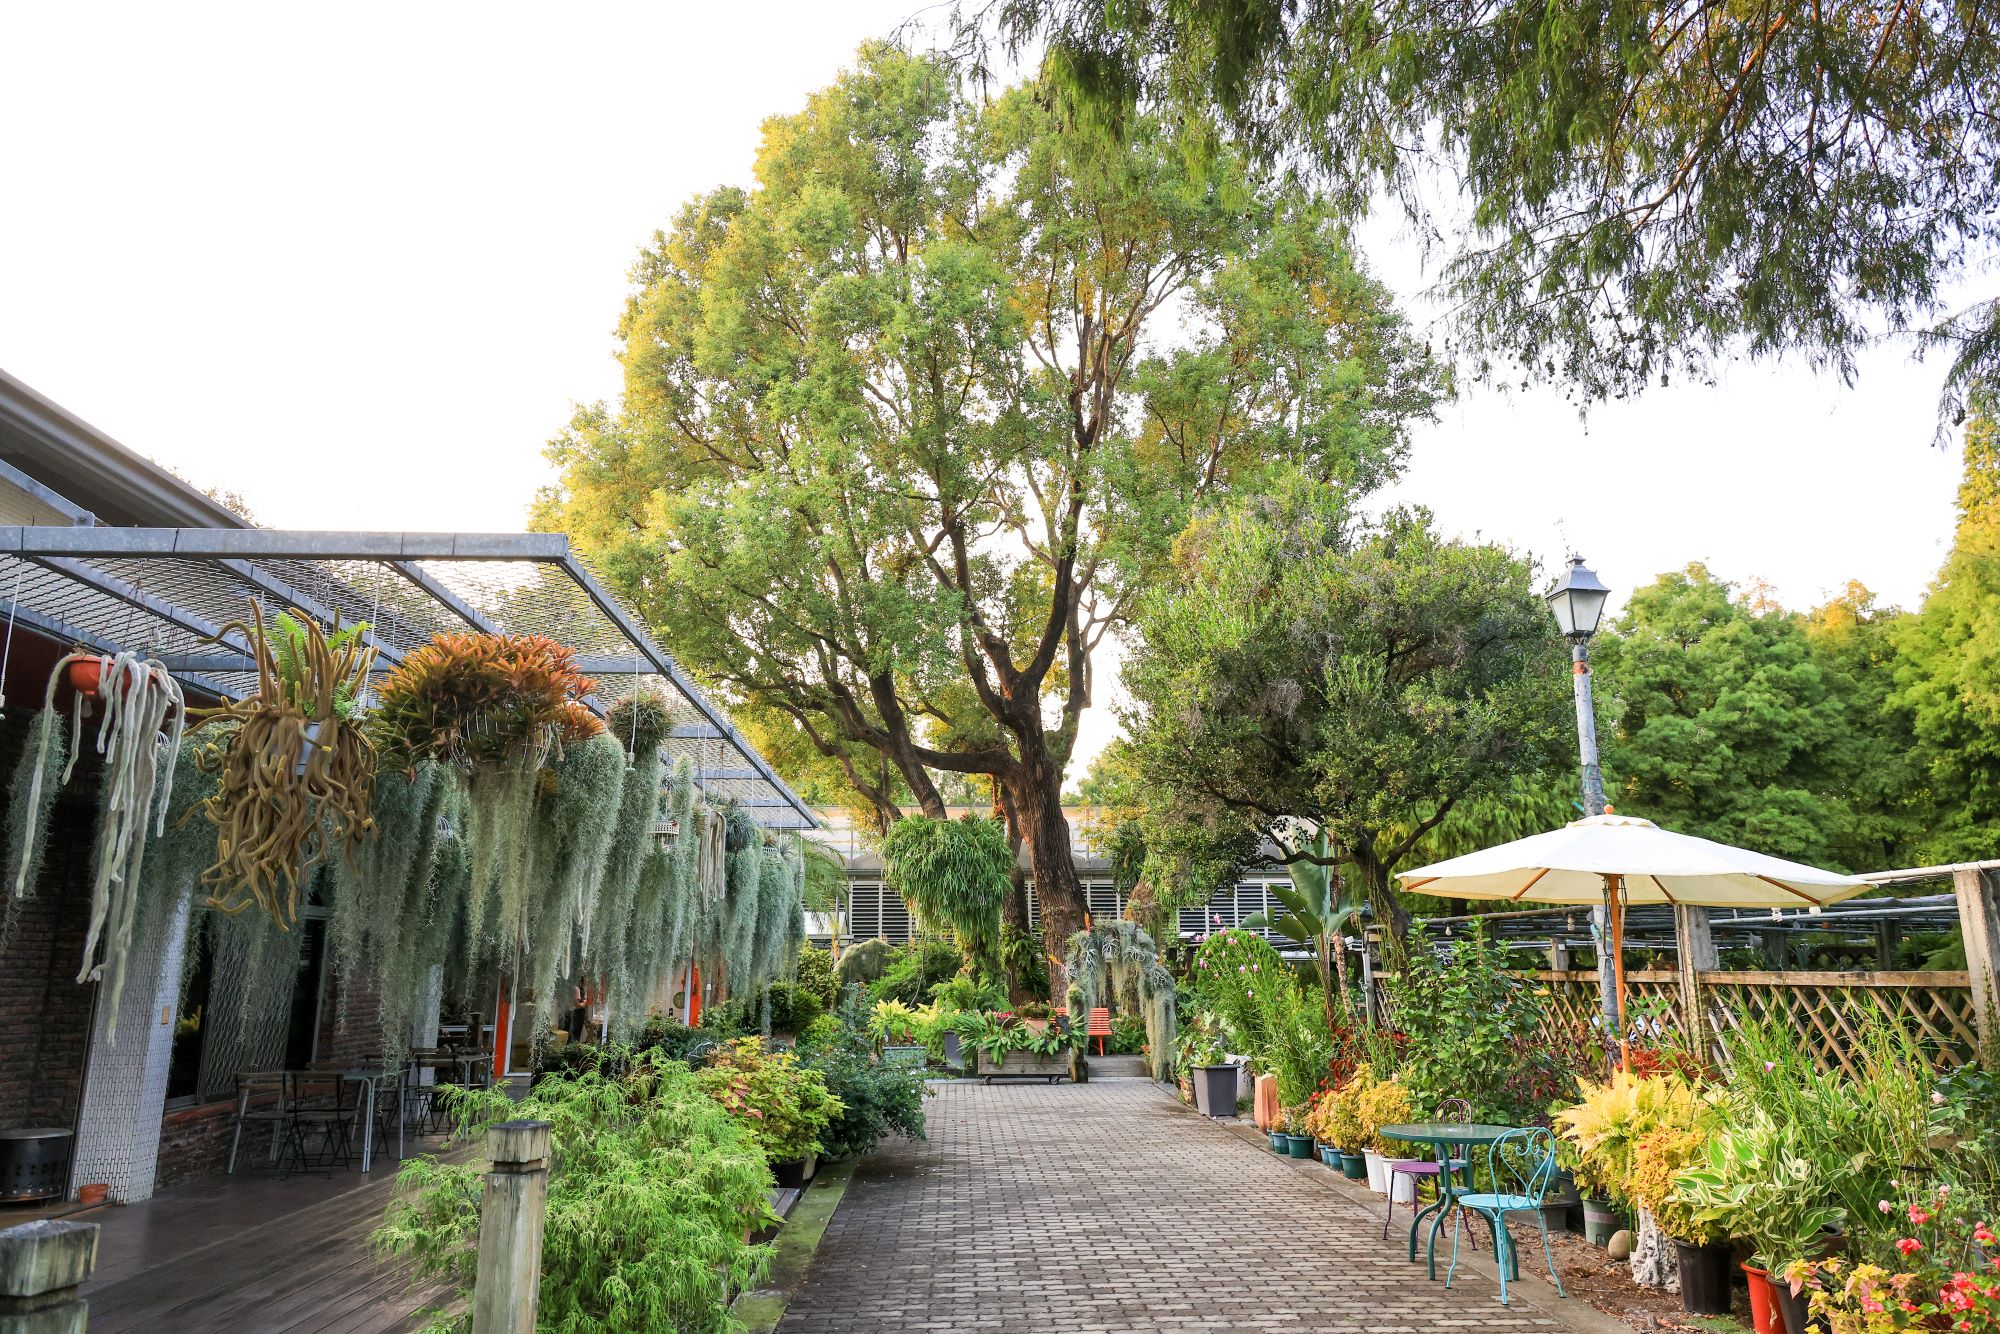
[[785, 1105], [792, 1010], [913, 976], [815, 976], [651, 1190], [875, 1100], [863, 962], [1466, 1019]]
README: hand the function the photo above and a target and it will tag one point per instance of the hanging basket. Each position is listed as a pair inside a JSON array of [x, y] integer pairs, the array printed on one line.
[[85, 676]]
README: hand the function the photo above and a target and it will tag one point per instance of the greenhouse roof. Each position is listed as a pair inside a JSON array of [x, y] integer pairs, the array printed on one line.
[[169, 592]]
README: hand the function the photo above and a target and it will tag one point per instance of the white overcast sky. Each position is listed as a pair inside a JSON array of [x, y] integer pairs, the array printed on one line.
[[356, 263]]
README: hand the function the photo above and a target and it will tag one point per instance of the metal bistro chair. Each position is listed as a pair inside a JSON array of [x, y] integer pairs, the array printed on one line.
[[257, 1086], [321, 1109], [1452, 1111], [1521, 1164]]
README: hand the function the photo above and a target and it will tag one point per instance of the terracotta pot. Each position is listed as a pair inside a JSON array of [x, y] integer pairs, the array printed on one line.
[[85, 676], [93, 1193], [1763, 1309], [1267, 1101]]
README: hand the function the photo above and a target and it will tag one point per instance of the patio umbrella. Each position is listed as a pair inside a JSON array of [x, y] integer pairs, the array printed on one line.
[[1617, 860]]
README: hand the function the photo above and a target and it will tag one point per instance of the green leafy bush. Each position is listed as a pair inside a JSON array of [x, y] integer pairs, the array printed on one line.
[[793, 1009], [875, 1100], [917, 970], [784, 1104], [1465, 1018], [864, 961], [652, 1187], [815, 977]]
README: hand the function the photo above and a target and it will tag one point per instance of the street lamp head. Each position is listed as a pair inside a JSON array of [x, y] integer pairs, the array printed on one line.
[[1577, 599]]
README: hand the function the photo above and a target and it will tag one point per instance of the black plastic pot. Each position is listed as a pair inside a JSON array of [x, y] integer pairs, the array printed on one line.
[[1215, 1090], [1795, 1311], [792, 1175], [954, 1055], [1704, 1277]]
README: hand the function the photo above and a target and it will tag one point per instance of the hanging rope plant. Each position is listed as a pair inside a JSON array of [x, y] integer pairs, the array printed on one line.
[[953, 874], [30, 802], [1116, 963], [141, 718], [296, 771], [495, 708]]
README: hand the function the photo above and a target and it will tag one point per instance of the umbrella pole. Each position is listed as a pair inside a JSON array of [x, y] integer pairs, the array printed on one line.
[[1615, 886]]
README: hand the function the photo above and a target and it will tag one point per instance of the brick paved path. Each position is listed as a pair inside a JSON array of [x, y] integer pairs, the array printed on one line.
[[1109, 1206]]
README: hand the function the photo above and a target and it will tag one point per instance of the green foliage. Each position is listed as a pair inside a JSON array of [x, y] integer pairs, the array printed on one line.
[[1361, 676], [784, 1104], [1116, 964], [1948, 668], [1465, 1018], [1247, 990], [288, 640], [934, 317], [1632, 189], [914, 973], [813, 974], [953, 874], [875, 1099], [969, 993], [29, 803], [652, 1188], [864, 961], [1021, 954], [1745, 725], [1320, 909], [780, 1007]]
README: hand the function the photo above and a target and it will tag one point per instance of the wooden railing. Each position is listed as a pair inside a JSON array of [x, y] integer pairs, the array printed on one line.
[[1831, 1009]]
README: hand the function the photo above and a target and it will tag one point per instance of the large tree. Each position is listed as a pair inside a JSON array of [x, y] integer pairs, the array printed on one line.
[[908, 422], [1726, 716], [1630, 186], [1948, 669], [1308, 669]]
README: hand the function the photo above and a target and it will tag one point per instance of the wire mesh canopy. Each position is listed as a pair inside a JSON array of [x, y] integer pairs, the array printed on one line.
[[167, 592]]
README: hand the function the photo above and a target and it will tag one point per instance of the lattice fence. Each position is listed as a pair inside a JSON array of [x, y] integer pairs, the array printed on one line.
[[1831, 1009]]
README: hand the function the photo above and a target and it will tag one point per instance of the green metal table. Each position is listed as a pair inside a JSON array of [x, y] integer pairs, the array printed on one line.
[[1443, 1137]]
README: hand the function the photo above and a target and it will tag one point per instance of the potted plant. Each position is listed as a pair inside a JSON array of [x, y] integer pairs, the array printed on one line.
[[1381, 1102], [1755, 1180], [784, 1104], [896, 1029], [1298, 1142], [1701, 1248], [1604, 1125]]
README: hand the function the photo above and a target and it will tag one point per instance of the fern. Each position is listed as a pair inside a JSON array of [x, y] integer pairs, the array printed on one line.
[[953, 874]]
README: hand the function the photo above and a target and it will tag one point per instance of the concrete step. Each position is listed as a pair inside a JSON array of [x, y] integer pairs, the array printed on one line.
[[1118, 1067]]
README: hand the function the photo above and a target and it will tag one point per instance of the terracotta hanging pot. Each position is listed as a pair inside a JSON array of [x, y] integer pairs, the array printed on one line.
[[85, 676]]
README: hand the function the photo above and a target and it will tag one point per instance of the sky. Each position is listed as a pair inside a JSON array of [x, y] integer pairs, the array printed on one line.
[[358, 264]]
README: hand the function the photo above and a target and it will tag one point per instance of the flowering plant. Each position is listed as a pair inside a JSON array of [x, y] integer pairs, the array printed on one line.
[[1938, 1272]]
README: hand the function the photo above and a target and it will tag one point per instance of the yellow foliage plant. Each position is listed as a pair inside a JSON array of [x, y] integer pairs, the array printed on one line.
[[1606, 1125]]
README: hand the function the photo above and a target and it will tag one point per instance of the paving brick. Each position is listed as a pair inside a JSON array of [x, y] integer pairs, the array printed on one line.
[[1110, 1207]]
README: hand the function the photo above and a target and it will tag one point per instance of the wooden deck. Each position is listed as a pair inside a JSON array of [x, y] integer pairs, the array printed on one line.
[[254, 1255]]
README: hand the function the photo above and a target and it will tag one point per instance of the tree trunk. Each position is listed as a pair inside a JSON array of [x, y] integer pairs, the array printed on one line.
[[1388, 912], [1036, 794], [1013, 904]]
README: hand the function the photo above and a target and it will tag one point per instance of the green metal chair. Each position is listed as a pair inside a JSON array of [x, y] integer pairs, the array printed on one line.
[[1521, 1164]]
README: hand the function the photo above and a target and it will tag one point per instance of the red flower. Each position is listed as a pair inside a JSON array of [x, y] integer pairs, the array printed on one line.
[[1909, 1246]]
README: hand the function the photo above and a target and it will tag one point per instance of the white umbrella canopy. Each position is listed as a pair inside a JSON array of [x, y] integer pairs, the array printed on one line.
[[1618, 860], [1650, 864]]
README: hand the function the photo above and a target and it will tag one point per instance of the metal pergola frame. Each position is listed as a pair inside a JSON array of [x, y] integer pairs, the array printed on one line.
[[180, 584]]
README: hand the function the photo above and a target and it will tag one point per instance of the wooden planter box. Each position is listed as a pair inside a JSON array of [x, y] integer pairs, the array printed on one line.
[[1027, 1065]]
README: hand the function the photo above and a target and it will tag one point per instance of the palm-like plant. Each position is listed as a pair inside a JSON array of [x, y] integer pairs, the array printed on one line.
[[1319, 907]]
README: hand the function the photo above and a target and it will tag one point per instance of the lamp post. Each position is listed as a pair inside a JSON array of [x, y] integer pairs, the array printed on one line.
[[1577, 599]]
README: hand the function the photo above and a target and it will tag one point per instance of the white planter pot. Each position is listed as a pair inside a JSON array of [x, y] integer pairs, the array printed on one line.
[[1378, 1171], [1402, 1187]]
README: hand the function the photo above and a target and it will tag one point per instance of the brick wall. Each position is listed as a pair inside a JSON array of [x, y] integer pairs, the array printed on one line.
[[355, 1037], [44, 1012]]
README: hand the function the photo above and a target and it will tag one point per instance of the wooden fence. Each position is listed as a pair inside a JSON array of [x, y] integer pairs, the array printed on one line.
[[1830, 1009]]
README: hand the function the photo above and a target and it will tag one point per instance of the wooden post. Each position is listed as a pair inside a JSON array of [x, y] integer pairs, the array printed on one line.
[[1979, 920], [41, 1264], [510, 1228], [1694, 955], [1558, 953]]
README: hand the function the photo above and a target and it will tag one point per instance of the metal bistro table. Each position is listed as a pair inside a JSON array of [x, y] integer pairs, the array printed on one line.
[[1443, 1138]]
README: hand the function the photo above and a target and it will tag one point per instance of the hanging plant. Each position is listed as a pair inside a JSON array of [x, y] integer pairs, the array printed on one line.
[[295, 770], [953, 874], [139, 703], [29, 805], [474, 700], [1117, 963]]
